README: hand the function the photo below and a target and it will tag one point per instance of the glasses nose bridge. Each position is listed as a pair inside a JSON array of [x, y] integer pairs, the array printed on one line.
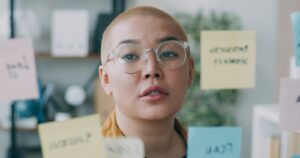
[[153, 50], [146, 50]]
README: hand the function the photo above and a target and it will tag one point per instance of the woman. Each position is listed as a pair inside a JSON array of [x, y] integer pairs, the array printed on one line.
[[147, 69]]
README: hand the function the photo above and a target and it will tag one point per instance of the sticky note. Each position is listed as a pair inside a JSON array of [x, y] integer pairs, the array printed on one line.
[[295, 18], [296, 156], [18, 79], [214, 142], [75, 138], [289, 104], [227, 59], [128, 147]]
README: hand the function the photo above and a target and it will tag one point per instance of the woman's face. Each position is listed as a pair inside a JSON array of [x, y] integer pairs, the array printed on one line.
[[154, 93]]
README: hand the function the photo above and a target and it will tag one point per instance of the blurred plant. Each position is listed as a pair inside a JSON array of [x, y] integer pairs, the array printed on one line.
[[207, 107]]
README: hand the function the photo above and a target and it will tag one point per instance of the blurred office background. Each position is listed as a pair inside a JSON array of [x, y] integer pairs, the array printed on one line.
[[269, 18]]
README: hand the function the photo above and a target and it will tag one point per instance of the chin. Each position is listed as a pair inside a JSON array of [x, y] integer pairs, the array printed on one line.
[[157, 115]]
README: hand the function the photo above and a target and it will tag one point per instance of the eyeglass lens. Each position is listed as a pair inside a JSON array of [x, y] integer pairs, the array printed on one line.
[[132, 57]]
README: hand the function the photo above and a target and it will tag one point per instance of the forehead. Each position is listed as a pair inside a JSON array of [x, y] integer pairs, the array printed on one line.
[[140, 24], [144, 29]]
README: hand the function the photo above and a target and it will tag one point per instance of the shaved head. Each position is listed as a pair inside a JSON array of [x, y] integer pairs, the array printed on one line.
[[106, 44]]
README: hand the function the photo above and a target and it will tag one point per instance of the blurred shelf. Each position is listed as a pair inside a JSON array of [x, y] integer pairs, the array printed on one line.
[[48, 56], [19, 129]]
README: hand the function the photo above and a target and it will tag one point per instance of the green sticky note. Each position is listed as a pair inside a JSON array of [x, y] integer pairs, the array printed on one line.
[[214, 142]]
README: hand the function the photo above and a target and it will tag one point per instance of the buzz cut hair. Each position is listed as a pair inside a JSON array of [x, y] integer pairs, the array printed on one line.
[[136, 11]]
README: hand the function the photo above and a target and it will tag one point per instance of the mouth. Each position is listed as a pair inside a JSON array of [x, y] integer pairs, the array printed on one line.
[[154, 93]]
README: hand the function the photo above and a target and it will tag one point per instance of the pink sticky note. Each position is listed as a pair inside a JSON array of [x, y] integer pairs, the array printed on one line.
[[18, 79], [290, 104]]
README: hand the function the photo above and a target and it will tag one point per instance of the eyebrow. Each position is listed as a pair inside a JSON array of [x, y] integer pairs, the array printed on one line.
[[168, 38], [128, 41]]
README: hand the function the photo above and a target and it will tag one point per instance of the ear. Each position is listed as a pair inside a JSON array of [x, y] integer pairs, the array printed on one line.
[[104, 79], [191, 72]]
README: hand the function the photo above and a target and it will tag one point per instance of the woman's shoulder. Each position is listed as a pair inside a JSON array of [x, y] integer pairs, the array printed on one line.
[[110, 127]]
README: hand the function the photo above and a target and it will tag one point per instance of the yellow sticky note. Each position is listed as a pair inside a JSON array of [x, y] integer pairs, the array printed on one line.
[[129, 147], [228, 59], [75, 138]]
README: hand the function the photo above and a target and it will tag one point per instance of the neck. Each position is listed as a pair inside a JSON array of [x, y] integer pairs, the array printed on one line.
[[159, 136]]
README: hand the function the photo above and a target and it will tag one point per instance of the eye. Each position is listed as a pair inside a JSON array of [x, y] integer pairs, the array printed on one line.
[[130, 57], [168, 55]]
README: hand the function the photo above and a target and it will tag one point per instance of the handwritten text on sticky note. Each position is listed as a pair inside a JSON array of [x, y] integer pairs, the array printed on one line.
[[289, 103], [76, 138], [123, 148], [214, 142], [295, 17], [18, 79], [227, 59]]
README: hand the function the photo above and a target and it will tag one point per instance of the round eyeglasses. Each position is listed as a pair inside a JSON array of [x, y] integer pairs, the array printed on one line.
[[131, 57]]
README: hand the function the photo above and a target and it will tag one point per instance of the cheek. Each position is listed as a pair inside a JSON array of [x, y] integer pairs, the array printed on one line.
[[181, 88], [122, 85], [179, 83], [180, 79]]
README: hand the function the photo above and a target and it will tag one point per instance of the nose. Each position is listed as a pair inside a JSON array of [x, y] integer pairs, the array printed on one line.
[[152, 68]]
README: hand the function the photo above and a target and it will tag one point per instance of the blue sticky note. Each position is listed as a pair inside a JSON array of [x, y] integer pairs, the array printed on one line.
[[296, 156], [214, 142], [295, 17]]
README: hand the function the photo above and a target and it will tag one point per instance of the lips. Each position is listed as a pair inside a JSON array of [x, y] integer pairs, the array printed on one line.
[[154, 91]]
